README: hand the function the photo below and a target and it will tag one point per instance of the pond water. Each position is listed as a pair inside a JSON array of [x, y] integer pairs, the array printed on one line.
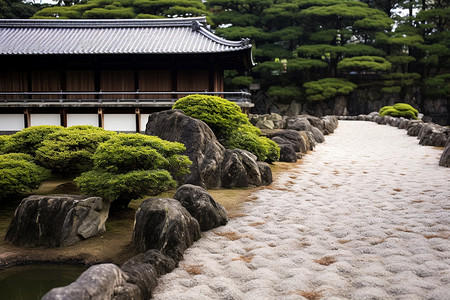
[[34, 281]]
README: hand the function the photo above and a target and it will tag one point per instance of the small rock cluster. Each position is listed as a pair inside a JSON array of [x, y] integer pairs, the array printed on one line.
[[57, 220], [164, 229], [295, 135], [429, 134], [213, 165]]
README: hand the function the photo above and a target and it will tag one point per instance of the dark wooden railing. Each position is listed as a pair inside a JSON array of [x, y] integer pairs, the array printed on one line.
[[136, 97]]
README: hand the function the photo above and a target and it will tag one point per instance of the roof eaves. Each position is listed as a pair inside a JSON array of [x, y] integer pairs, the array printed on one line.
[[97, 23]]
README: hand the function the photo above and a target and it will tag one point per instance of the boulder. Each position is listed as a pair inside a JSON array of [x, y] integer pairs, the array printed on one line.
[[315, 122], [201, 206], [98, 282], [266, 172], [394, 122], [444, 161], [240, 169], [287, 153], [330, 124], [298, 123], [414, 127], [265, 124], [433, 135], [292, 137], [144, 269], [317, 134], [403, 124], [165, 225], [202, 146], [57, 220]]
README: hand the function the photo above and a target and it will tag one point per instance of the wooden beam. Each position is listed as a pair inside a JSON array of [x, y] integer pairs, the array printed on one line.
[[27, 117], [137, 111], [63, 117], [101, 118]]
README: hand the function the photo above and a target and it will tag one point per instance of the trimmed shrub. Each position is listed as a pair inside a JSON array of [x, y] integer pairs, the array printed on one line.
[[28, 140], [264, 148], [19, 175], [399, 110], [221, 115], [127, 152], [122, 188], [129, 166], [71, 150], [3, 140], [229, 124]]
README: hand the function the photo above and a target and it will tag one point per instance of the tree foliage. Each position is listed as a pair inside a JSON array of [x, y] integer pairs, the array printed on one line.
[[17, 9], [399, 110], [126, 9], [19, 175], [28, 140], [230, 125], [128, 166], [70, 151], [327, 88]]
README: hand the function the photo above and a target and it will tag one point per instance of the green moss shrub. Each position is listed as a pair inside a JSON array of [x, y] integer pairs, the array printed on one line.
[[399, 110], [3, 140], [19, 175], [247, 138], [70, 151], [120, 189], [28, 140], [128, 166], [229, 124], [221, 115]]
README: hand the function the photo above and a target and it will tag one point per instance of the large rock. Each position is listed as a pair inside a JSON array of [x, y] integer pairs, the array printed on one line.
[[291, 137], [202, 146], [57, 220], [266, 172], [433, 135], [444, 161], [98, 282], [298, 123], [315, 122], [414, 127], [330, 124], [318, 135], [287, 152], [143, 270], [212, 163], [240, 169], [201, 206], [165, 225]]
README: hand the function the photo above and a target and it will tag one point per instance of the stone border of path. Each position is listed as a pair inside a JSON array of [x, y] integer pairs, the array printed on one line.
[[428, 134]]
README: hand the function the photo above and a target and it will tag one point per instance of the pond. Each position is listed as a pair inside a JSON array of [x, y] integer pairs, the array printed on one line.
[[31, 282]]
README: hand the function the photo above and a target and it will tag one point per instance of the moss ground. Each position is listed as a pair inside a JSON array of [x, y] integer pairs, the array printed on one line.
[[114, 245]]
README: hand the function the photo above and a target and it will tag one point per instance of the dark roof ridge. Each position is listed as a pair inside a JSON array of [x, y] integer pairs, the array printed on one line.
[[100, 23], [244, 43]]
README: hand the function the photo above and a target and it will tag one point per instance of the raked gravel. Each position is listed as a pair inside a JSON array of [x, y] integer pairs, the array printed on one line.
[[364, 216]]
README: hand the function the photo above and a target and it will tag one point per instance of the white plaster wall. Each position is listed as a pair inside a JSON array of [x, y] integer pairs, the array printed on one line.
[[12, 122], [144, 120], [45, 119], [82, 119], [120, 122]]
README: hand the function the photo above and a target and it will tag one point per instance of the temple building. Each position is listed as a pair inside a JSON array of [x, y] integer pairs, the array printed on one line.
[[110, 73]]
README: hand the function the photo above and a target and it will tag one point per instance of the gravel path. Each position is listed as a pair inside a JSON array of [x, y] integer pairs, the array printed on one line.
[[364, 216]]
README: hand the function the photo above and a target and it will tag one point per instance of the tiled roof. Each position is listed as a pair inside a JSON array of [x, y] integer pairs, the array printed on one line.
[[134, 36]]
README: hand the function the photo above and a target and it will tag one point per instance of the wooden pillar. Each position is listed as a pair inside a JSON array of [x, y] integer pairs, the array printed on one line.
[[27, 117], [63, 117], [101, 118], [137, 111]]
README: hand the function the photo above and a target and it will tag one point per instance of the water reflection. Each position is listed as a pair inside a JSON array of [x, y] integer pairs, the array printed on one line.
[[34, 281]]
